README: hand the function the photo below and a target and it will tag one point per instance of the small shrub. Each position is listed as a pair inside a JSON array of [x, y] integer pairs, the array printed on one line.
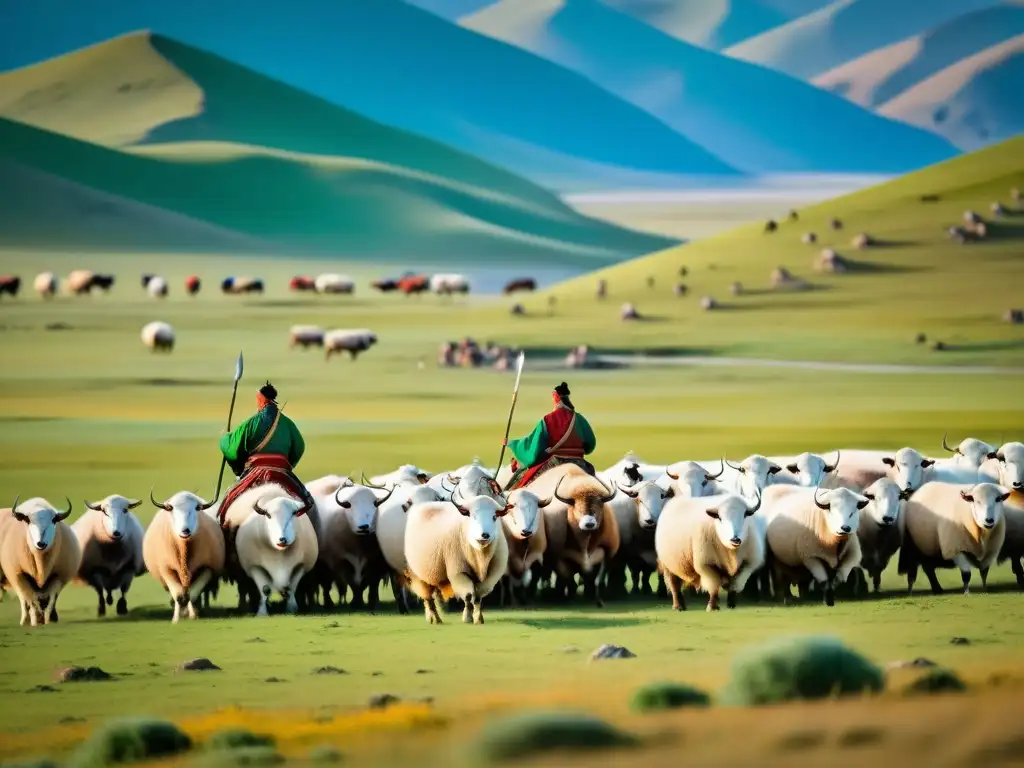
[[798, 741], [41, 762], [935, 681], [325, 753], [242, 756], [130, 741], [659, 696], [804, 668], [234, 738], [535, 733], [861, 737]]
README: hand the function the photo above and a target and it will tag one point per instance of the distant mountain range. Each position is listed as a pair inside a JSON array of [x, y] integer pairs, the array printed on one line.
[[458, 116]]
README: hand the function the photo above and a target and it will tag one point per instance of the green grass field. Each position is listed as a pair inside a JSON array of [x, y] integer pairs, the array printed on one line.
[[87, 411]]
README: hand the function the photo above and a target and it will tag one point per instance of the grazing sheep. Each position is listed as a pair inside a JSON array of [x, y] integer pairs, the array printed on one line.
[[519, 284], [583, 534], [1013, 543], [819, 536], [526, 539], [301, 283], [446, 285], [770, 226], [794, 216], [157, 287], [628, 312], [192, 285], [862, 240], [183, 549], [998, 209], [276, 547], [637, 512], [80, 281], [970, 217], [351, 552], [332, 283], [953, 525], [158, 336], [736, 289], [836, 224], [46, 284], [306, 336], [880, 532], [708, 303], [456, 549], [39, 556], [110, 538], [830, 261], [351, 341], [708, 543], [809, 238], [10, 284], [783, 280], [391, 520]]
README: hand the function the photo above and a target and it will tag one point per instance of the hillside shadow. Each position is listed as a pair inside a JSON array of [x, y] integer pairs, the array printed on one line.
[[582, 622], [561, 352], [169, 382], [986, 346]]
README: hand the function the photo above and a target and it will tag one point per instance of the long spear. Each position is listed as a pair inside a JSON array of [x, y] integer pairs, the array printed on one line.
[[515, 394], [231, 411]]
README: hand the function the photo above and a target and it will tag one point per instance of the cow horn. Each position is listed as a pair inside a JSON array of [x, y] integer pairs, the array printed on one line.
[[134, 504], [830, 468], [756, 506], [721, 469], [14, 509], [258, 509], [453, 478], [165, 506], [206, 506], [738, 469], [560, 498], [378, 502], [951, 450], [671, 476], [62, 516], [368, 484], [612, 491], [631, 494], [458, 506], [16, 514], [93, 507], [818, 504]]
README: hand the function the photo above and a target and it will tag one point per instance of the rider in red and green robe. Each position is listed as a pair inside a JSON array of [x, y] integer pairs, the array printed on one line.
[[264, 449], [563, 436]]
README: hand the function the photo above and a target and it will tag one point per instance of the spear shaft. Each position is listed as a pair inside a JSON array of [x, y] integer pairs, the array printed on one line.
[[515, 396], [231, 411]]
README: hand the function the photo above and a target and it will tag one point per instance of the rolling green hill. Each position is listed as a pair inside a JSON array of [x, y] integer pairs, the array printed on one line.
[[193, 134], [916, 280]]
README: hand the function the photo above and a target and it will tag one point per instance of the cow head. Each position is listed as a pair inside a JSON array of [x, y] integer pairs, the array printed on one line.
[[885, 497], [650, 500], [115, 510], [730, 516], [40, 520], [810, 469], [280, 513], [483, 512], [907, 467], [986, 500], [971, 452], [1011, 465], [526, 516], [691, 480], [359, 505], [842, 510], [585, 502], [755, 474], [184, 508]]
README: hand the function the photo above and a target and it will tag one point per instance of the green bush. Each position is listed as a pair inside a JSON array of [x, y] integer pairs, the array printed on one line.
[[535, 733], [242, 757], [658, 696], [325, 753], [800, 668], [936, 681], [41, 762], [233, 738], [130, 741]]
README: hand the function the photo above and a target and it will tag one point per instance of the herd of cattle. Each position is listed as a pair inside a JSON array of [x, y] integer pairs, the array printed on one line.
[[82, 282], [754, 528]]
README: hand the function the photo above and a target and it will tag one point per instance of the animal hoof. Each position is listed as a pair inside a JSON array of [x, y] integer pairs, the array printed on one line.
[[122, 607], [830, 600], [110, 599], [967, 591], [731, 600], [478, 619], [292, 606], [714, 607]]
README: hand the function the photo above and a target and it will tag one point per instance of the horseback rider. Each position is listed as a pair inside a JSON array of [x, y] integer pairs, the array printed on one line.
[[563, 436], [264, 449]]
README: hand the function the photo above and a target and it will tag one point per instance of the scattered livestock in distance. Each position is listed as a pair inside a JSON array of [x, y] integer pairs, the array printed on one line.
[[827, 524], [468, 353], [158, 336], [192, 285], [157, 287], [239, 285], [352, 341], [519, 284], [10, 285]]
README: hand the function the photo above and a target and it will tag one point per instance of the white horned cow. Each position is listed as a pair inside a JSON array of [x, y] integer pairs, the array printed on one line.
[[447, 284], [39, 556], [456, 549], [349, 547], [815, 538], [183, 549], [157, 287], [617, 472], [306, 336], [808, 470], [275, 545], [691, 480], [881, 528], [708, 543], [911, 470], [351, 341], [158, 336], [407, 473], [334, 283], [953, 525], [750, 477], [1007, 464], [637, 511], [582, 533], [527, 542], [969, 452], [110, 537], [46, 284], [391, 520]]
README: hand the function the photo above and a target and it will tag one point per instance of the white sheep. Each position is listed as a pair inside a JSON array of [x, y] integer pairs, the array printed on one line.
[[445, 285], [751, 476], [351, 341], [953, 524], [880, 532], [46, 284], [391, 520], [692, 480], [1007, 465], [275, 546], [637, 512], [526, 538], [110, 537], [332, 283], [306, 336], [157, 287], [816, 537], [349, 550], [911, 470], [1013, 543], [456, 549], [183, 549], [707, 543], [407, 473], [807, 470], [39, 556], [158, 336], [970, 452], [79, 281]]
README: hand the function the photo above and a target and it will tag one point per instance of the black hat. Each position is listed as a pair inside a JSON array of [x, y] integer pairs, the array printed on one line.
[[562, 390], [269, 391]]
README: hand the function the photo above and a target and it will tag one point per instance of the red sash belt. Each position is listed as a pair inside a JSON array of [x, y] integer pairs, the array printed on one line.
[[266, 468]]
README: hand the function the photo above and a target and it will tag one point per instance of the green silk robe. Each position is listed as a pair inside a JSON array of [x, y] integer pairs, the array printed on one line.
[[239, 444], [531, 449]]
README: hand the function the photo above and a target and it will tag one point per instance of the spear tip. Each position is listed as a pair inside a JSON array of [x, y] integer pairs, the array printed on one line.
[[238, 367]]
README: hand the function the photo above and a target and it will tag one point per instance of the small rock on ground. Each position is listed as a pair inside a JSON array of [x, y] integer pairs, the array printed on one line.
[[197, 665], [960, 641], [570, 649], [329, 671], [42, 689], [382, 701], [255, 640], [82, 674], [919, 663], [608, 651], [422, 671], [274, 680]]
